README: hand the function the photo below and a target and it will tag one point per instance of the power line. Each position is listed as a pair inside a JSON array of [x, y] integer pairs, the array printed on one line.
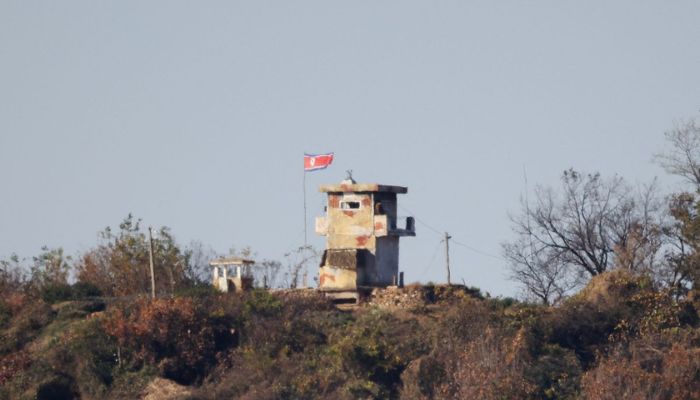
[[475, 250], [442, 234], [420, 221], [432, 259]]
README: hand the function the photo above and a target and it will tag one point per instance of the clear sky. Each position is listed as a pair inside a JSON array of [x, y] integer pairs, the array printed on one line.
[[196, 115]]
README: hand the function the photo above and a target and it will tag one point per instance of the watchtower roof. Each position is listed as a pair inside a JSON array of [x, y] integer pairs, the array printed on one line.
[[231, 261], [347, 186]]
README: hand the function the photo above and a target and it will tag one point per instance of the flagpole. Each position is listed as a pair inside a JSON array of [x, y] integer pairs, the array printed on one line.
[[303, 251], [305, 218], [325, 161]]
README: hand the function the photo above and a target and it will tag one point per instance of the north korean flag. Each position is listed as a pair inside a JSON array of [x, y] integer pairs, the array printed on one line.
[[312, 162]]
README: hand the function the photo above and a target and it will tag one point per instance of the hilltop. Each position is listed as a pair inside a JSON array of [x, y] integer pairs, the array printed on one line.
[[620, 337]]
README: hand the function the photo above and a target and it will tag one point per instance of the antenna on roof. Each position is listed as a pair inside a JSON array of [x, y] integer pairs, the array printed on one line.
[[349, 176]]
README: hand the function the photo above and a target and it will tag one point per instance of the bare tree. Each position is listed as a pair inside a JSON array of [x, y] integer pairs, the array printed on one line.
[[675, 271], [683, 156], [50, 267], [681, 256], [539, 269], [267, 273], [13, 275], [681, 267], [587, 229], [639, 230], [198, 257], [298, 262]]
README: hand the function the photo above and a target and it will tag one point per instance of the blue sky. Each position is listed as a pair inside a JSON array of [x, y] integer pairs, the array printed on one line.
[[197, 115]]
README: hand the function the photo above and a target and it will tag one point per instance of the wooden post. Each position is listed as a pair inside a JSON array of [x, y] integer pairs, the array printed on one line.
[[150, 259], [447, 255]]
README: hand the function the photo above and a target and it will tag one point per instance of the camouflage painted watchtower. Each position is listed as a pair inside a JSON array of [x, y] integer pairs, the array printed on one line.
[[362, 238]]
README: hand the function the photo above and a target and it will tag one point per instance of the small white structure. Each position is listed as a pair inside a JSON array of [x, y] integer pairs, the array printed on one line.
[[225, 281]]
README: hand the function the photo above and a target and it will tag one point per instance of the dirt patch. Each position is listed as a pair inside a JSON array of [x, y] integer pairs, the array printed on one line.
[[164, 389]]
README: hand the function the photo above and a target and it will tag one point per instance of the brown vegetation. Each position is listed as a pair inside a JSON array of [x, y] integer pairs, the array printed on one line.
[[619, 338], [632, 331]]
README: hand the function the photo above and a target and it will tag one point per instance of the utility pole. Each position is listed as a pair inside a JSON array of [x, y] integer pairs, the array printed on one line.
[[447, 255], [150, 259]]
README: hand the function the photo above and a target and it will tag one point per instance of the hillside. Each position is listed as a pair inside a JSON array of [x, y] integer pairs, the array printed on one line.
[[618, 338]]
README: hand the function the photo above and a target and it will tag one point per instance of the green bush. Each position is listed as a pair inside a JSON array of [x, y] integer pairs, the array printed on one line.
[[197, 291], [57, 292], [261, 302], [614, 304], [82, 290], [503, 302], [556, 373], [130, 384], [376, 349], [5, 314], [25, 326]]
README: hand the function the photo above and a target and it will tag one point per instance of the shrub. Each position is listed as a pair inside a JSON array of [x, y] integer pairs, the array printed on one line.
[[129, 384], [57, 292], [93, 355], [66, 350], [84, 355], [666, 367], [263, 303], [376, 349], [25, 326], [13, 364], [492, 367], [612, 304], [82, 290], [279, 328], [465, 321], [175, 334], [15, 302], [197, 291], [555, 373], [422, 377], [313, 351], [504, 302], [5, 314]]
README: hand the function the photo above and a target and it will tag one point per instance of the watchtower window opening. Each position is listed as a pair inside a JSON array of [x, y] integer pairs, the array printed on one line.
[[349, 205]]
